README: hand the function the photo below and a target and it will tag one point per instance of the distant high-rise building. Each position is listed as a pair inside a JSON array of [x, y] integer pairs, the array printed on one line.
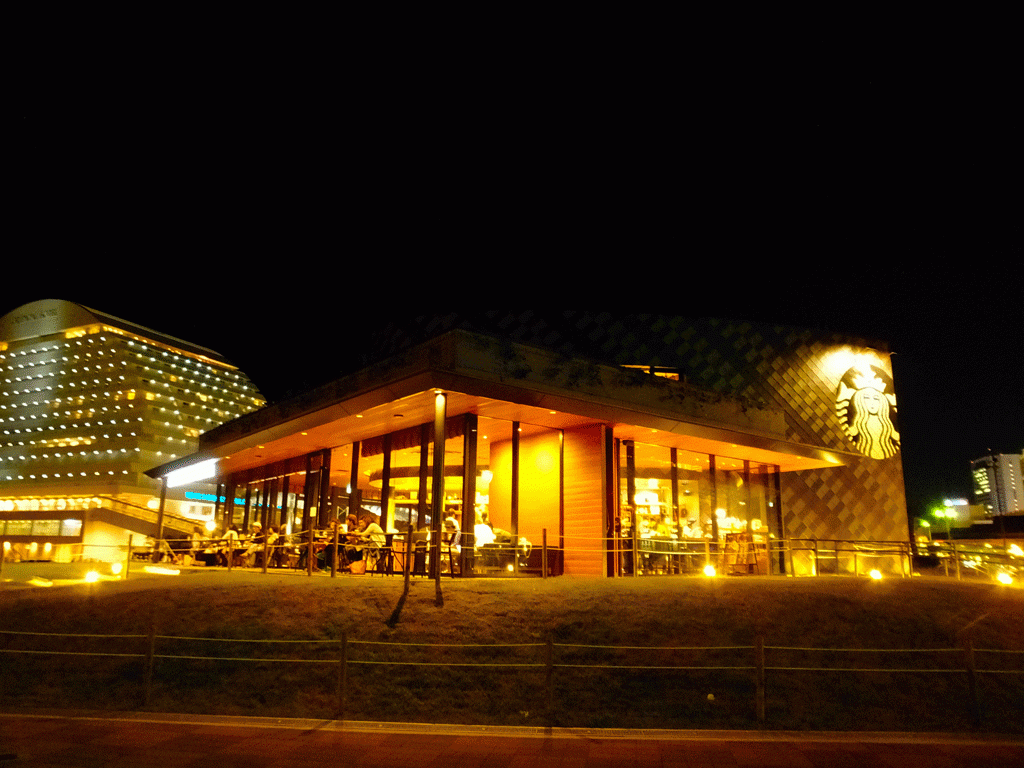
[[88, 402], [997, 483]]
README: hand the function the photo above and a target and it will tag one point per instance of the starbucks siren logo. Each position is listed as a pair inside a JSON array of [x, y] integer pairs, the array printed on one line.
[[866, 405]]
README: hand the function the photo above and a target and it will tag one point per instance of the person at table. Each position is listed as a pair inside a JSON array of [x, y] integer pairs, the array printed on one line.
[[228, 544], [370, 536], [255, 543], [326, 556]]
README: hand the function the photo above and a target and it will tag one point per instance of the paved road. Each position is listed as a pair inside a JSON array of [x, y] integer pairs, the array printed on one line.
[[165, 741]]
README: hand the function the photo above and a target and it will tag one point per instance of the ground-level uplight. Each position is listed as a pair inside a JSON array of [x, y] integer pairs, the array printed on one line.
[[1004, 578], [709, 570], [876, 574], [161, 570], [91, 577]]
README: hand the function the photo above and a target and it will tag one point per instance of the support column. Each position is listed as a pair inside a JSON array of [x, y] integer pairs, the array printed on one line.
[[746, 493], [437, 486], [230, 489], [421, 504], [353, 497], [777, 476], [468, 521], [713, 489], [634, 520], [285, 517], [218, 505], [325, 488], [385, 485], [609, 488], [160, 514], [514, 511], [248, 508]]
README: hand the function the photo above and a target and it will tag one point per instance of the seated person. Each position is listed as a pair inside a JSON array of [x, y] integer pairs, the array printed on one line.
[[255, 544], [325, 557], [483, 534], [368, 538], [452, 534]]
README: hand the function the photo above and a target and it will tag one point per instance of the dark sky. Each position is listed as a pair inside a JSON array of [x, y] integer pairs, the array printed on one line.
[[883, 208]]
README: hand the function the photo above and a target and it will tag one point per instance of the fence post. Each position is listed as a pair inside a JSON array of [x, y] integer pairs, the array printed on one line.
[[544, 555], [334, 560], [128, 561], [816, 558], [972, 681], [956, 559], [150, 652], [548, 680], [309, 550], [759, 695], [2, 556], [342, 676]]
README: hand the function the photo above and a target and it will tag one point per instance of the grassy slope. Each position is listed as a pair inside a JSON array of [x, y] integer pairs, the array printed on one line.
[[660, 612]]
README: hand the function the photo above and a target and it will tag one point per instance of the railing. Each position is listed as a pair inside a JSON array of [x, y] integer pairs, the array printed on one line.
[[759, 663], [640, 557]]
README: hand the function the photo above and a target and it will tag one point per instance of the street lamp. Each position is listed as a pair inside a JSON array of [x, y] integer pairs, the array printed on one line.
[[922, 523]]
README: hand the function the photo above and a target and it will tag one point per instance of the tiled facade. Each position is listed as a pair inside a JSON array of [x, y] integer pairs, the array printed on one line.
[[796, 371]]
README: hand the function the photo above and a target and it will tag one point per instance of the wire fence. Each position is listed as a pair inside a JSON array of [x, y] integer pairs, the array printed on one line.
[[559, 664]]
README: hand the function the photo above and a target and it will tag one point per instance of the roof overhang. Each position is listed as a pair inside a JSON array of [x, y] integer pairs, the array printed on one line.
[[494, 379]]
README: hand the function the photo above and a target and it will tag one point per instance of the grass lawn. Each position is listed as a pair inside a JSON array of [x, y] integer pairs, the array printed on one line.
[[415, 670]]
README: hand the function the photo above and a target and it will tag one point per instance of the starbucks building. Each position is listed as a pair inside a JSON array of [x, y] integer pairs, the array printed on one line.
[[583, 444]]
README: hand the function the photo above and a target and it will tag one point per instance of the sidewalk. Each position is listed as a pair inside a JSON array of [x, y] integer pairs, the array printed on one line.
[[44, 739]]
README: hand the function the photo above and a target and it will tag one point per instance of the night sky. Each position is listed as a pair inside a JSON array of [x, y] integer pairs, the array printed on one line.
[[885, 210]]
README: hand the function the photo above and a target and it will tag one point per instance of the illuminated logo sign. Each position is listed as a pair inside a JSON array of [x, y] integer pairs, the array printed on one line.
[[866, 406], [193, 473]]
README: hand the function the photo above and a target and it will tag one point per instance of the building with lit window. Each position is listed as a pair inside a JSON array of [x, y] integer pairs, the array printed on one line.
[[636, 445], [998, 484], [87, 403]]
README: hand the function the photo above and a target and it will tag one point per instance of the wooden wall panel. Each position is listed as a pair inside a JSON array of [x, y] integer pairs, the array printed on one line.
[[584, 503]]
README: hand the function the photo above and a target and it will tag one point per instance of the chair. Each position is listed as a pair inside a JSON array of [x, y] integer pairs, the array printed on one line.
[[382, 557], [450, 546], [419, 560]]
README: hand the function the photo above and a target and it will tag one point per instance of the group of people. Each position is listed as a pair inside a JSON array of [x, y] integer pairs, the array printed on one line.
[[357, 539], [360, 540], [238, 550]]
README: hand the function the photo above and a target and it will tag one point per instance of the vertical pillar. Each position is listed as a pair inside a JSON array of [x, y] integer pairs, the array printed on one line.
[[285, 518], [675, 562], [353, 497], [248, 508], [218, 507], [561, 499], [421, 505], [385, 485], [468, 521], [674, 461], [325, 488], [514, 522], [610, 495], [714, 499], [437, 485], [160, 513], [777, 478], [631, 495], [265, 506], [275, 512], [229, 504], [746, 493], [310, 493]]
